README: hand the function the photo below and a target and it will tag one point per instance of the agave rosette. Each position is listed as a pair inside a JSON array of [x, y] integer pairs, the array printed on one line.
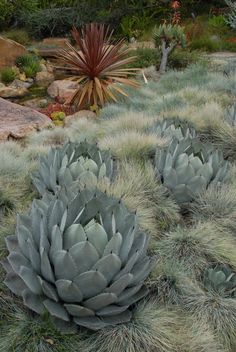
[[83, 163], [79, 257], [187, 167]]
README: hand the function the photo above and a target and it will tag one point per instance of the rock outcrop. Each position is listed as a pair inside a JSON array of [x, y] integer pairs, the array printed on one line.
[[18, 121], [10, 50]]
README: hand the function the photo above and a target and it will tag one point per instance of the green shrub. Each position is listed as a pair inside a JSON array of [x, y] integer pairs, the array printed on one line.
[[18, 35], [145, 57], [8, 75], [218, 23], [181, 58], [205, 43], [29, 64]]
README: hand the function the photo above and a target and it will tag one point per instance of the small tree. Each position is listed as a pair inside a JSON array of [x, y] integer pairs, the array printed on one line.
[[231, 17], [168, 36]]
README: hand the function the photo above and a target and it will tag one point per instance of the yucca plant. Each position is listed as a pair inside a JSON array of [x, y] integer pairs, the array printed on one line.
[[79, 257], [82, 162], [168, 36], [187, 167], [98, 63]]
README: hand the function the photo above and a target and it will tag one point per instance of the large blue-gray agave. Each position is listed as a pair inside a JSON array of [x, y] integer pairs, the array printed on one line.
[[187, 166], [74, 162], [80, 257]]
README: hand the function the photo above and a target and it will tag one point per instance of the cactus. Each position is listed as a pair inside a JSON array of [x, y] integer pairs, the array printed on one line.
[[83, 162], [187, 167], [221, 279], [79, 257]]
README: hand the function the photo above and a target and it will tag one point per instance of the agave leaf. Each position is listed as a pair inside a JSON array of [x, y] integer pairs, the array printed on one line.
[[15, 283], [34, 302], [68, 291], [79, 311], [17, 260], [109, 266], [84, 255], [111, 310], [93, 323], [62, 260], [90, 283], [73, 235], [56, 310], [97, 236], [31, 280]]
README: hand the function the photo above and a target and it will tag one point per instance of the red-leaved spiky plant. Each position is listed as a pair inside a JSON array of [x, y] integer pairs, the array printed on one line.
[[99, 66]]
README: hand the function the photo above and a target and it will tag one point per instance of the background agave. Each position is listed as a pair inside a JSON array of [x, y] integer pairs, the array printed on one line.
[[81, 162], [187, 167], [222, 280], [172, 127], [99, 64], [78, 257]]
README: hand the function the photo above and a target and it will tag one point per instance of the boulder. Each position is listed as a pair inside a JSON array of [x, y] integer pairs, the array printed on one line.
[[36, 103], [13, 92], [62, 89], [17, 83], [10, 50], [78, 115], [17, 121], [44, 78]]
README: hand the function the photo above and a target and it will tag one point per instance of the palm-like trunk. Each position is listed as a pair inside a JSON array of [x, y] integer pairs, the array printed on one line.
[[166, 50]]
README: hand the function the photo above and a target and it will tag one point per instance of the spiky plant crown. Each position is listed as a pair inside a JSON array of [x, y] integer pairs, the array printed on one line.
[[170, 34], [172, 127], [187, 167], [222, 280], [81, 162], [99, 63], [80, 257], [231, 18]]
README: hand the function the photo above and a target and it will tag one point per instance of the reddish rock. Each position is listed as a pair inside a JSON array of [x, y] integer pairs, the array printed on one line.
[[17, 121], [78, 115], [10, 50], [62, 89]]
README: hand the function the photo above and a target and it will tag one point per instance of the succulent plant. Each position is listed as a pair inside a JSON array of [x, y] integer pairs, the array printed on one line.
[[82, 162], [79, 257], [221, 279], [231, 115], [187, 167], [173, 127]]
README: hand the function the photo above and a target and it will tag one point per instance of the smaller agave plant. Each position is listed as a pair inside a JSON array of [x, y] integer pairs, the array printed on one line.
[[187, 167], [80, 258], [231, 115], [82, 162], [173, 127], [222, 280]]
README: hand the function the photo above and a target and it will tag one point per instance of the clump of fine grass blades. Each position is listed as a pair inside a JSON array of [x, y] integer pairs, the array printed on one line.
[[132, 145], [216, 204], [25, 332], [136, 184], [154, 328], [198, 246], [220, 313]]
